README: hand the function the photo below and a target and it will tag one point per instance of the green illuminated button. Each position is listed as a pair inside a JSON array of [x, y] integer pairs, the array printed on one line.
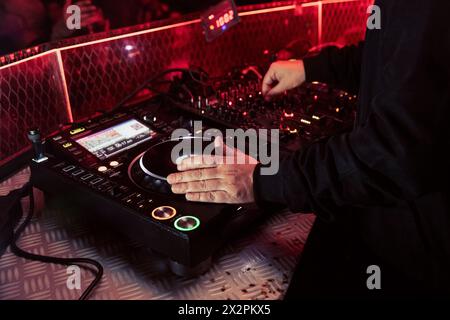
[[187, 223]]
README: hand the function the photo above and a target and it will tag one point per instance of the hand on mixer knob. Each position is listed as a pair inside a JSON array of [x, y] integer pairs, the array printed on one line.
[[283, 76]]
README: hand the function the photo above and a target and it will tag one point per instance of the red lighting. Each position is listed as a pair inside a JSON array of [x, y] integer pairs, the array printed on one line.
[[289, 115], [316, 97], [244, 113]]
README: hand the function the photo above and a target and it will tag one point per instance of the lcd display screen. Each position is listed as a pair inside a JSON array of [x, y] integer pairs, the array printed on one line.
[[111, 141]]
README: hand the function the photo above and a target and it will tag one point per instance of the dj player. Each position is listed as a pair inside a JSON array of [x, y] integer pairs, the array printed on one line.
[[115, 166]]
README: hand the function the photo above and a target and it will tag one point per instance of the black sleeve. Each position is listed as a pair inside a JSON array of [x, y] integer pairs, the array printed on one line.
[[339, 67], [398, 152]]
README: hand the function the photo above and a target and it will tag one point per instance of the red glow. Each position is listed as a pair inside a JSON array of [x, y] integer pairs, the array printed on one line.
[[64, 86], [244, 113]]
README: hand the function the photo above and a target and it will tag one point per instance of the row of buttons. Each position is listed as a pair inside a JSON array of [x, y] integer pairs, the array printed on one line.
[[134, 199], [84, 176], [77, 153]]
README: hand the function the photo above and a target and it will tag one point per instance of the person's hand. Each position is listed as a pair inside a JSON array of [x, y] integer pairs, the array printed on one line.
[[283, 76], [218, 179]]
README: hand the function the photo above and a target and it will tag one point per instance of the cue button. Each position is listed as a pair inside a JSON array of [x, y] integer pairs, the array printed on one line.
[[187, 223], [164, 213]]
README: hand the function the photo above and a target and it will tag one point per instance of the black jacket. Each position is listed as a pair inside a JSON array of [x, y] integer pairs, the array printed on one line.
[[385, 183]]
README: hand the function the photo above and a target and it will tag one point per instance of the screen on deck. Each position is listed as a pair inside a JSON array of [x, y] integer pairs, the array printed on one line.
[[111, 141]]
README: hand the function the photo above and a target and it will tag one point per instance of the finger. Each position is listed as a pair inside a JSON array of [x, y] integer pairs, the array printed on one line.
[[198, 186], [212, 196], [278, 89], [194, 175], [268, 80], [197, 162]]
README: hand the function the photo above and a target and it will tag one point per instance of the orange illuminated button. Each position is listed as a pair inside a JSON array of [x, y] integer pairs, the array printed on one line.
[[164, 213]]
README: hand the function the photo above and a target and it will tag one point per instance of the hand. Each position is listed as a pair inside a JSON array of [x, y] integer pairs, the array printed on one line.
[[218, 179], [283, 76]]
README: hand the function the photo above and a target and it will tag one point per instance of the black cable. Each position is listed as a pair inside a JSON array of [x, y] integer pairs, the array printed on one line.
[[46, 259], [150, 80], [146, 84]]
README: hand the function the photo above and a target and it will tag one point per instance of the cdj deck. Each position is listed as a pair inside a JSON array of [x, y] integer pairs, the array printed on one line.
[[113, 167]]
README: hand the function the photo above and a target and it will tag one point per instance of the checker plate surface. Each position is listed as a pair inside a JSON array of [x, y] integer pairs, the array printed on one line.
[[255, 266]]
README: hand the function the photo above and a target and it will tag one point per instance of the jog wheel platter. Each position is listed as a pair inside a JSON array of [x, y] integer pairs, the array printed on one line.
[[150, 169]]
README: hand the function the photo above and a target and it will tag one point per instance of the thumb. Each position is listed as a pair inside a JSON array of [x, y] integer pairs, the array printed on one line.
[[222, 147], [278, 89]]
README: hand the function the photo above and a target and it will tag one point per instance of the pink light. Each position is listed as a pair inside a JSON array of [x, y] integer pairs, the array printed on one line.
[[64, 86]]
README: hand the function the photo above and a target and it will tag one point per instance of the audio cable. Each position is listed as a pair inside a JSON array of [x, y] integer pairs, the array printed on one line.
[[81, 262]]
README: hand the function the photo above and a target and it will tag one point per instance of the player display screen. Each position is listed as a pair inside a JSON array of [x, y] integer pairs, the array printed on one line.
[[111, 141]]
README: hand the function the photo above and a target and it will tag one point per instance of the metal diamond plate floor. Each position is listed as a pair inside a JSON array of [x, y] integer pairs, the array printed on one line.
[[257, 265]]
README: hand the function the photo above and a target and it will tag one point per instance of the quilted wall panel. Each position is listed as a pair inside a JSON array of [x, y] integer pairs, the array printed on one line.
[[31, 95]]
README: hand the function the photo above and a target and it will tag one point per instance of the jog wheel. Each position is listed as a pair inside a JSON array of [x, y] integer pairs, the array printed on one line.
[[150, 169]]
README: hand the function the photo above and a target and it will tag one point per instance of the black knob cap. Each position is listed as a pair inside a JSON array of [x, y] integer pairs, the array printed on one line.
[[34, 136]]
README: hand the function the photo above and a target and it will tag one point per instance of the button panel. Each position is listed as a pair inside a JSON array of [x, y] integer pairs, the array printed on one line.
[[137, 200]]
